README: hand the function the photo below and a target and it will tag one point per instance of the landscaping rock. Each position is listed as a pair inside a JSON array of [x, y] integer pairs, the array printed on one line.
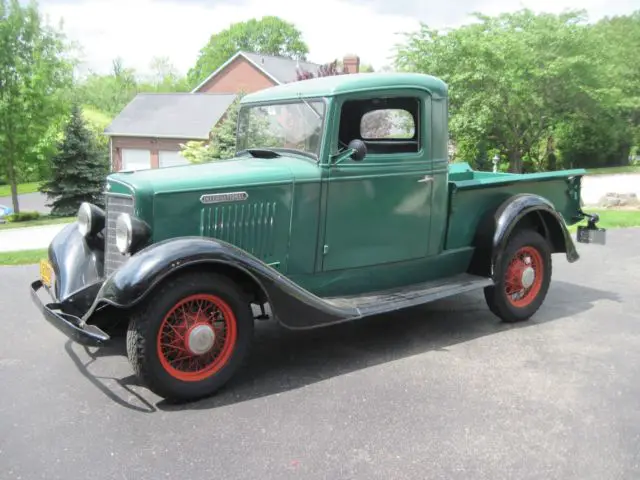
[[619, 200]]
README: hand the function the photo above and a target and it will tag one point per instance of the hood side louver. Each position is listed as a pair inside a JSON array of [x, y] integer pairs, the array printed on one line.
[[249, 226]]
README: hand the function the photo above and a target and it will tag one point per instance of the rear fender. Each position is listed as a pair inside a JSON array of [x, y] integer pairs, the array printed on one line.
[[134, 281], [520, 211]]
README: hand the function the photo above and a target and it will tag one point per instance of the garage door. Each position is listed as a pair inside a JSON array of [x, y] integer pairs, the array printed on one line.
[[136, 159], [168, 158]]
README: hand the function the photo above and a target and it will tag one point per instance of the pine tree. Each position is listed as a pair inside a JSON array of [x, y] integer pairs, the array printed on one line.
[[78, 170]]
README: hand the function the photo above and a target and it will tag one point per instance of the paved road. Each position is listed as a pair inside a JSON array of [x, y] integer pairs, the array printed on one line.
[[29, 202], [439, 392], [30, 238]]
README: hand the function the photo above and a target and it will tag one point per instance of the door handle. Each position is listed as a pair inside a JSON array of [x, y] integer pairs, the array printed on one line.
[[426, 179]]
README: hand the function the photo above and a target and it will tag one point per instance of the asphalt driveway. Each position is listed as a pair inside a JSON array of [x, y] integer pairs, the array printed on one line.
[[29, 202], [444, 391]]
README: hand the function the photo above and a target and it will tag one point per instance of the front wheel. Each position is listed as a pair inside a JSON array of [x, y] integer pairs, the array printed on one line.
[[190, 336], [522, 278]]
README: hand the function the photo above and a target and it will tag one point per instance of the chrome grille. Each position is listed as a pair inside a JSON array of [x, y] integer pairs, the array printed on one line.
[[115, 205]]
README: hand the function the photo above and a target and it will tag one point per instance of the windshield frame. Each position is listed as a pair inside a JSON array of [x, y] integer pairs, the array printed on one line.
[[312, 156]]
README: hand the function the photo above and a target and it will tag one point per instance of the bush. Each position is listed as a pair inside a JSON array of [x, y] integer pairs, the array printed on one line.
[[23, 216]]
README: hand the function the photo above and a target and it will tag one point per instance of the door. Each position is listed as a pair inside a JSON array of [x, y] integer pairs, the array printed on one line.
[[378, 209], [168, 158], [135, 159]]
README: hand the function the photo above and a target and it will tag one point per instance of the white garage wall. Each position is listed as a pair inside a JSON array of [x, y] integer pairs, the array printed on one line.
[[167, 158], [136, 159]]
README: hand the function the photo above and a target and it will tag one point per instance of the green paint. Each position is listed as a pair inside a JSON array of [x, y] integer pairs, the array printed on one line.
[[352, 227]]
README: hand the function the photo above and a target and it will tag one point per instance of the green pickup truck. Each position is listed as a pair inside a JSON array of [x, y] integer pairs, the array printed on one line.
[[339, 204]]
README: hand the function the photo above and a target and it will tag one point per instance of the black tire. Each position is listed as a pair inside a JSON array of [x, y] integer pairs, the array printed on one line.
[[517, 310], [148, 355]]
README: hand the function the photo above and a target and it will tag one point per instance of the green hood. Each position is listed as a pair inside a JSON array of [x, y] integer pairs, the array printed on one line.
[[170, 201], [235, 172]]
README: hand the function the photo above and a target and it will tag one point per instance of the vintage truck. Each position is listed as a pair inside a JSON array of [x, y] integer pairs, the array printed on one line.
[[340, 204]]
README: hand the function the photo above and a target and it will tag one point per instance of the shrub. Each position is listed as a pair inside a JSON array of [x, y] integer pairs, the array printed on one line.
[[23, 216]]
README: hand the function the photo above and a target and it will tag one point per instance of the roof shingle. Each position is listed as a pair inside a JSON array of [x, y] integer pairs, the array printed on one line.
[[171, 115], [284, 70]]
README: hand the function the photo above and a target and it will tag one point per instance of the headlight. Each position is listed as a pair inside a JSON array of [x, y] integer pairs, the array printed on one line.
[[124, 233], [131, 233], [90, 219]]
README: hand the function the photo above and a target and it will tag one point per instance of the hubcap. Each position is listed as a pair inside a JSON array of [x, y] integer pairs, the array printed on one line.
[[528, 277], [200, 339]]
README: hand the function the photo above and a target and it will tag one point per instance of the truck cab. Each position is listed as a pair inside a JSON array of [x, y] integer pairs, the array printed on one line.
[[339, 204]]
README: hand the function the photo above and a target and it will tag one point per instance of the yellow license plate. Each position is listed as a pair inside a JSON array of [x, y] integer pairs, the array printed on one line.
[[46, 273]]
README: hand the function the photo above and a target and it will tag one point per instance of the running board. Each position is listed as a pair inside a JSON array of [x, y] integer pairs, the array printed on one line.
[[398, 298]]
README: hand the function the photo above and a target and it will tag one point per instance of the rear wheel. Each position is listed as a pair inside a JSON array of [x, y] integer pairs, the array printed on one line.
[[190, 336], [522, 278]]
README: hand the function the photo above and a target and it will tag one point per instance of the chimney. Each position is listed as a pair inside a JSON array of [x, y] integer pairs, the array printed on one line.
[[351, 64]]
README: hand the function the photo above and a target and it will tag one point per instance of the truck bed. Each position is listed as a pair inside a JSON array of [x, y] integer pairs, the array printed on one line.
[[471, 193]]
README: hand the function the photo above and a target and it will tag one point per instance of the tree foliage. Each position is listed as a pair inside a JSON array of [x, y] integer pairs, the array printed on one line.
[[525, 86], [269, 36], [35, 77], [78, 170], [222, 143], [326, 70], [110, 93]]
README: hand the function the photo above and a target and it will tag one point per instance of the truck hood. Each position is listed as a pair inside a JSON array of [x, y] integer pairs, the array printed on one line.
[[234, 172]]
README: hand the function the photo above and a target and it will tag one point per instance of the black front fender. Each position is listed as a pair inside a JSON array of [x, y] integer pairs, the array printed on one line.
[[76, 262], [294, 306], [496, 228]]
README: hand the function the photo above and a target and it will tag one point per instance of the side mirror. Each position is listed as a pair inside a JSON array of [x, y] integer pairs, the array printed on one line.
[[359, 149]]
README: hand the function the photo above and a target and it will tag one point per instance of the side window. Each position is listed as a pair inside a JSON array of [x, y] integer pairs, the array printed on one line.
[[387, 125]]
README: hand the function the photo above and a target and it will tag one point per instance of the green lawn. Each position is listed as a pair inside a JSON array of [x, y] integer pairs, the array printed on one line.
[[612, 170], [613, 218], [43, 220], [24, 257], [5, 190]]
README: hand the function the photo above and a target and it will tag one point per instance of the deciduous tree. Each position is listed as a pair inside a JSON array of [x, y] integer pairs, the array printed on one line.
[[223, 139], [513, 79], [269, 36], [35, 75]]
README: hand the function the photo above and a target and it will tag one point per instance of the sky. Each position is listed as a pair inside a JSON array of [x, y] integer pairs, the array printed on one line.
[[138, 30]]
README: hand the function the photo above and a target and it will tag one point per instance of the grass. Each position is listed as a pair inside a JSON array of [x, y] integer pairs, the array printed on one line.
[[5, 190], [610, 218], [43, 220], [612, 170], [23, 257]]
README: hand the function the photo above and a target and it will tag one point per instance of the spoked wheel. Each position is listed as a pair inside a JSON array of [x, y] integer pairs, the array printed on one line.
[[523, 278], [196, 337], [190, 336]]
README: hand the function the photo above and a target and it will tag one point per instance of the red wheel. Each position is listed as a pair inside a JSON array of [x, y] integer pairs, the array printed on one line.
[[196, 338], [190, 336], [523, 278]]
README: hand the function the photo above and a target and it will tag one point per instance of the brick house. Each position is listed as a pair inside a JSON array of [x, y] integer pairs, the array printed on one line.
[[150, 129]]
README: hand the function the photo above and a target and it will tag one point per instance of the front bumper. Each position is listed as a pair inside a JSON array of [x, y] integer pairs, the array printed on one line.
[[72, 326], [77, 269]]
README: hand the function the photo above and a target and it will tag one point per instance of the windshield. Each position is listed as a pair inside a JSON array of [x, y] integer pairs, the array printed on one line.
[[292, 126]]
